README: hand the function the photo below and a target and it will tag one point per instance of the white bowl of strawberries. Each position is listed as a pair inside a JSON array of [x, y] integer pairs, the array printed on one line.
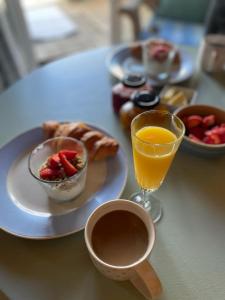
[[205, 129], [60, 166]]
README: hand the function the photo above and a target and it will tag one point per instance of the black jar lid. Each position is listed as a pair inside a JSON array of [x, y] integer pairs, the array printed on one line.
[[145, 99], [134, 80]]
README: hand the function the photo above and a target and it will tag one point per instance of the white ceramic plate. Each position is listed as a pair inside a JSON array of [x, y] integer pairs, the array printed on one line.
[[25, 209], [121, 61]]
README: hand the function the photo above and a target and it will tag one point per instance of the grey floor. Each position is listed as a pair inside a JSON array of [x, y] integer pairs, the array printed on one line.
[[92, 19]]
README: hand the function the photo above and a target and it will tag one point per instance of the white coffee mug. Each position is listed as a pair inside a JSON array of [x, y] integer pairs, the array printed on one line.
[[140, 272]]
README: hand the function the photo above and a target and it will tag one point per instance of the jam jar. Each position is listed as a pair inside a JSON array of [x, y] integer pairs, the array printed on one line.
[[122, 91], [140, 101]]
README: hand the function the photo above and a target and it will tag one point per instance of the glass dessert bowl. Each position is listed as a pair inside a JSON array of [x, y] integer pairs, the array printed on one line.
[[60, 166], [160, 59]]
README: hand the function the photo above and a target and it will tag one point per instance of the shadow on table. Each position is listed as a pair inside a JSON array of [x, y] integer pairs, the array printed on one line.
[[220, 78], [56, 269], [205, 176], [3, 296], [192, 227], [61, 268], [172, 277]]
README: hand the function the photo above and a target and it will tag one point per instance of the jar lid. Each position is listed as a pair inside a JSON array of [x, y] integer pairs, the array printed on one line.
[[145, 99], [134, 80]]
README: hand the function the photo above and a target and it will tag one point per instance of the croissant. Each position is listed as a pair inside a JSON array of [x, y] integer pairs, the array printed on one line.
[[75, 130], [49, 128], [98, 145], [104, 148], [90, 138]]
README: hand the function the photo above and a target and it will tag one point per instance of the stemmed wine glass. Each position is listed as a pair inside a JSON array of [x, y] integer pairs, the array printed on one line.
[[156, 136]]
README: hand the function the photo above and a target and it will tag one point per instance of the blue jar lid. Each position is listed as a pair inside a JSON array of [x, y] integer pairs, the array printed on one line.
[[134, 80], [145, 99]]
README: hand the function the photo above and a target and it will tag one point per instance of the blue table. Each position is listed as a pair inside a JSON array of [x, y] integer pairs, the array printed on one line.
[[190, 239]]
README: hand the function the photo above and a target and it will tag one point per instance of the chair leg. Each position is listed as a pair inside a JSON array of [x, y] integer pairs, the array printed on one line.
[[131, 9], [136, 24], [115, 24]]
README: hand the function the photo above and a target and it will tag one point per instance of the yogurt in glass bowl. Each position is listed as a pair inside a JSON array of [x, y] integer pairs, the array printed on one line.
[[60, 166], [159, 57]]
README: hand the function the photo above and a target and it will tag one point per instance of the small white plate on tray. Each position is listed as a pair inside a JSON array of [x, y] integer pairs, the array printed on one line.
[[121, 61], [25, 209]]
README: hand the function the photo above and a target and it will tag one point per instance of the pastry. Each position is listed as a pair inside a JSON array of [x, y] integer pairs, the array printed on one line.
[[104, 148], [73, 129], [89, 138], [61, 130], [77, 130], [98, 145], [50, 127]]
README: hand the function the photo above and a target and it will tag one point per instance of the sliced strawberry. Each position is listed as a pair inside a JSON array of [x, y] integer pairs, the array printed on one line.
[[45, 173], [54, 161], [222, 138], [69, 169], [50, 174], [69, 154], [194, 138], [212, 139], [212, 130], [159, 52], [220, 131], [209, 121], [193, 121], [216, 138], [208, 140], [198, 132]]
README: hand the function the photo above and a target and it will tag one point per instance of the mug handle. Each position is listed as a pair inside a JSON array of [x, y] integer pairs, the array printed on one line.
[[146, 280]]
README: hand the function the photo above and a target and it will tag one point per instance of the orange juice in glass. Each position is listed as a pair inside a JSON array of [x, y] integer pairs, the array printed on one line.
[[156, 136]]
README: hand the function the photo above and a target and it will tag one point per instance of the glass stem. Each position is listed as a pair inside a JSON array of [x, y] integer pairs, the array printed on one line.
[[145, 199], [144, 195]]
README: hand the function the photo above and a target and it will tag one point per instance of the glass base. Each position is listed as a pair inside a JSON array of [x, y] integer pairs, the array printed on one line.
[[150, 204]]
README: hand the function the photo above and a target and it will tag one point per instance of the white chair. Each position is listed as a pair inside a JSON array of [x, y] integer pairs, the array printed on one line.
[[129, 8]]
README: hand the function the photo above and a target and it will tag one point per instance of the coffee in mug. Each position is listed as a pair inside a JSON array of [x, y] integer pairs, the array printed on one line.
[[120, 236]]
